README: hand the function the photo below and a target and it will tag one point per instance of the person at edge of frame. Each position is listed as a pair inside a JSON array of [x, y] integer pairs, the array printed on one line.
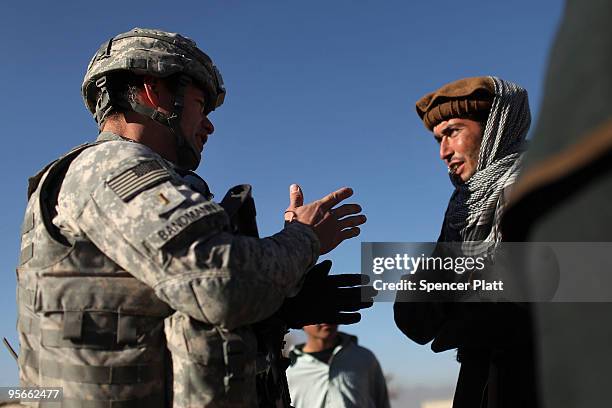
[[480, 124], [332, 370], [134, 287], [562, 197]]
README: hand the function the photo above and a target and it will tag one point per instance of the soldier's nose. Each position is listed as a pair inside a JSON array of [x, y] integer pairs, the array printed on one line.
[[208, 126]]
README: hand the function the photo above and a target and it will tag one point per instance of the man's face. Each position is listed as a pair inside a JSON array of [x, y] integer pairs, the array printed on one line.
[[322, 331], [195, 124], [459, 141]]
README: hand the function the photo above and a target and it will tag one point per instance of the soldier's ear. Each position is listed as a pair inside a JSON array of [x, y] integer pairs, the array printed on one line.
[[150, 91]]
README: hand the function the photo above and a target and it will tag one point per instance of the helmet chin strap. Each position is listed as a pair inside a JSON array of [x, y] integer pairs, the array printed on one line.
[[188, 157]]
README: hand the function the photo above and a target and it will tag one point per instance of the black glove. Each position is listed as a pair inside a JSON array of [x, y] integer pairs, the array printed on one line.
[[324, 298]]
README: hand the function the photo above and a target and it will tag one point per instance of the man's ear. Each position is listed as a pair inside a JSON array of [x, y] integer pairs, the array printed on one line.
[[150, 91]]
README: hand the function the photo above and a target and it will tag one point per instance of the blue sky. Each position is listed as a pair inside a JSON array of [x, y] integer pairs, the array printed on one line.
[[320, 93]]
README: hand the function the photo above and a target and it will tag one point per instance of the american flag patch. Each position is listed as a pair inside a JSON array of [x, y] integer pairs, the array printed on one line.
[[131, 182]]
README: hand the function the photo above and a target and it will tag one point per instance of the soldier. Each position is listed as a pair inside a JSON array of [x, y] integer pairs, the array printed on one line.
[[121, 233]]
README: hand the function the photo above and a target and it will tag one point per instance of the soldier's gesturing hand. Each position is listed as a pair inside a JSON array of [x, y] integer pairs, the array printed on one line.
[[332, 225]]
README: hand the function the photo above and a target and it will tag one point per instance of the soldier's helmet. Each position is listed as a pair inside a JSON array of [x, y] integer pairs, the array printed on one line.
[[150, 52]]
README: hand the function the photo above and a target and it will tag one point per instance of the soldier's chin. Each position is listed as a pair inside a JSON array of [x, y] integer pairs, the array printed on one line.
[[188, 158]]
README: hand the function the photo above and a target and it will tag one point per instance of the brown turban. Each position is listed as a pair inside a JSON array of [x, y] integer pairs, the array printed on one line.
[[469, 98]]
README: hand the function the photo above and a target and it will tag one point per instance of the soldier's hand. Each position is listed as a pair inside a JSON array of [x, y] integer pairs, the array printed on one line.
[[332, 225], [324, 298]]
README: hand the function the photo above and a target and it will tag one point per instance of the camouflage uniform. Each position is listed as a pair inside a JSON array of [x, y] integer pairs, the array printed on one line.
[[115, 240]]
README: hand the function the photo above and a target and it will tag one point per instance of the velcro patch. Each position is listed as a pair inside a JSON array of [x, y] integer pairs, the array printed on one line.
[[181, 220], [133, 181]]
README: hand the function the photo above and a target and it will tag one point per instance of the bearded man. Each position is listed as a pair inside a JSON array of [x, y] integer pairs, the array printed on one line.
[[480, 124]]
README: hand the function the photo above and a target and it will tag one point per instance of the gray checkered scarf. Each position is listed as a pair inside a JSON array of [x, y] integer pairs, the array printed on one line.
[[475, 208]]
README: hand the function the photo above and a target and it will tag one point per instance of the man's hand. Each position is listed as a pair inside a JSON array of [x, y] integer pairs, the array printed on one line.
[[332, 225], [324, 298]]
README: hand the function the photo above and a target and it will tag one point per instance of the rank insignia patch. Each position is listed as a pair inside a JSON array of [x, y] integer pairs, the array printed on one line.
[[131, 182]]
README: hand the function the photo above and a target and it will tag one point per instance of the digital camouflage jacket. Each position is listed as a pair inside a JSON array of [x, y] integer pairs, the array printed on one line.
[[115, 240]]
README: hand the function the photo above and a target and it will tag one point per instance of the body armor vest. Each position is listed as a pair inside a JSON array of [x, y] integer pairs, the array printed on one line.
[[271, 377], [84, 323]]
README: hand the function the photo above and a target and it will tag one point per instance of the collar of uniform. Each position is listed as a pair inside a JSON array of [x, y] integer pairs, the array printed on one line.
[[110, 136], [205, 190], [113, 137]]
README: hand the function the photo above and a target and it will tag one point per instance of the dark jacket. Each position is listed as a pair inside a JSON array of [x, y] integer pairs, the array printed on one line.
[[494, 347]]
